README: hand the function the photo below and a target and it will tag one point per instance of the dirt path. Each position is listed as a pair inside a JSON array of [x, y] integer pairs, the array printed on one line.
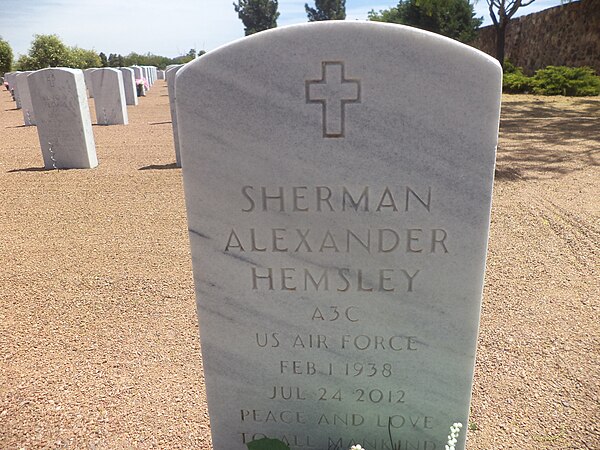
[[98, 338]]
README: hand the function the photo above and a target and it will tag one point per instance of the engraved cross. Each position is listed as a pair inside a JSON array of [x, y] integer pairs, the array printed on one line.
[[333, 91]]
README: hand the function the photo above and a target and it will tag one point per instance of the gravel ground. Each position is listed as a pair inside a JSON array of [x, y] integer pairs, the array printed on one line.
[[98, 334]]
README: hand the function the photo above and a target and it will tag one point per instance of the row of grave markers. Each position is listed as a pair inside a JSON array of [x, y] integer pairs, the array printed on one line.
[[55, 100]]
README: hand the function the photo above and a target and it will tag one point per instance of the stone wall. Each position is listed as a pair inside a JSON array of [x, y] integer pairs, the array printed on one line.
[[566, 35]]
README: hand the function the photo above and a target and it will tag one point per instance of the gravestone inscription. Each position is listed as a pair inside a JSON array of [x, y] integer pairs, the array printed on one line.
[[63, 118], [338, 181]]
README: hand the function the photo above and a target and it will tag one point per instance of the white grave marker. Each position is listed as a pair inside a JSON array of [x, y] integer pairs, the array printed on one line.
[[63, 118], [170, 77], [129, 86], [11, 78], [338, 180], [25, 96], [109, 97], [87, 74]]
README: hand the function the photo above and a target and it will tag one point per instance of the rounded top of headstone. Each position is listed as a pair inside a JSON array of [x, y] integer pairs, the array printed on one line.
[[58, 69], [366, 36]]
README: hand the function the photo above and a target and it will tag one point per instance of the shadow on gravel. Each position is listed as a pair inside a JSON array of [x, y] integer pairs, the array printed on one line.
[[32, 169], [507, 174], [160, 166], [20, 126], [159, 123], [540, 139]]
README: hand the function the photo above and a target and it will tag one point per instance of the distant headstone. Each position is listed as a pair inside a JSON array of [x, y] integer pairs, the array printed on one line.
[[129, 86], [109, 97], [139, 75], [87, 74], [11, 78], [170, 77], [161, 74], [63, 118], [171, 66], [145, 75], [25, 96], [338, 196], [137, 70], [150, 75]]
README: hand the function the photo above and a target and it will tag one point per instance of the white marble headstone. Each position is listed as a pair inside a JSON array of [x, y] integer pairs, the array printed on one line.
[[129, 86], [63, 118], [139, 75], [7, 76], [137, 70], [151, 74], [11, 78], [25, 96], [338, 180], [170, 77], [87, 74], [145, 75], [109, 97]]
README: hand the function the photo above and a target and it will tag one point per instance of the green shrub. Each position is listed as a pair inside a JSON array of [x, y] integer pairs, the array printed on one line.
[[571, 81], [514, 81], [517, 83], [510, 67], [553, 80]]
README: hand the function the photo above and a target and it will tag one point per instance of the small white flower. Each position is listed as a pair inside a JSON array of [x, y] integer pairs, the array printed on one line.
[[452, 438], [356, 447]]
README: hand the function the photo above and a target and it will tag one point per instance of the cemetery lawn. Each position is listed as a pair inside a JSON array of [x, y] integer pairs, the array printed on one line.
[[98, 333]]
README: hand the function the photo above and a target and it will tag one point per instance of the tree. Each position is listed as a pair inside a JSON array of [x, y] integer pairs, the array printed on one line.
[[501, 11], [6, 56], [326, 10], [47, 50], [452, 18], [115, 60], [135, 59], [83, 59], [257, 15], [103, 59], [392, 15]]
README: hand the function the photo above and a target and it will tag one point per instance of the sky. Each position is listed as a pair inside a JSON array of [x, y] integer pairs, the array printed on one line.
[[162, 27]]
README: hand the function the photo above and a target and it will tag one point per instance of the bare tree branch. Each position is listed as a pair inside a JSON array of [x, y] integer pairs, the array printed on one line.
[[501, 11]]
